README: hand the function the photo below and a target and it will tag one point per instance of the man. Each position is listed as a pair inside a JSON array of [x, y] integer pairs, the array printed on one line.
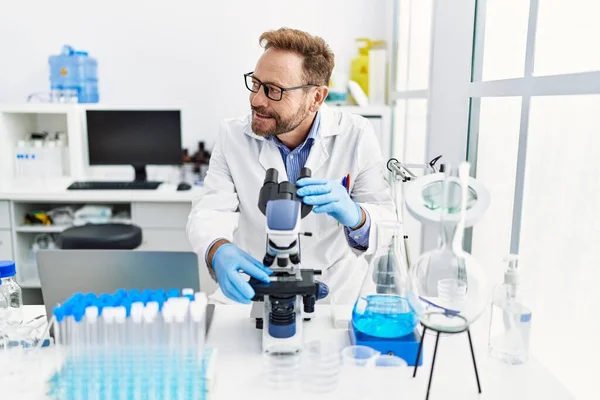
[[290, 128]]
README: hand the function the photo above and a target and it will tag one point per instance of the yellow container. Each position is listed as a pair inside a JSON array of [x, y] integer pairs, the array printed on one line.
[[359, 68]]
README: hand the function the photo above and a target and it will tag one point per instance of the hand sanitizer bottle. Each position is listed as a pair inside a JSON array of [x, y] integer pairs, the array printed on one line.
[[510, 323]]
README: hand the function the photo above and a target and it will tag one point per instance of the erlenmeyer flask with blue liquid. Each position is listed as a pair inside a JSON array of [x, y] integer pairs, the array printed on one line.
[[382, 309]]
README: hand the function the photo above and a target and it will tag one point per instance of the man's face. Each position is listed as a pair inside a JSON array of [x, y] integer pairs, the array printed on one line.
[[270, 117]]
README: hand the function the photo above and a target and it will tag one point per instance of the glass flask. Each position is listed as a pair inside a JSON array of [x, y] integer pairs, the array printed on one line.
[[448, 288], [382, 309]]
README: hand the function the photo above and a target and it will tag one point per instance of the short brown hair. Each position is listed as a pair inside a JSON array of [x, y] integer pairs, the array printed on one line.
[[318, 57]]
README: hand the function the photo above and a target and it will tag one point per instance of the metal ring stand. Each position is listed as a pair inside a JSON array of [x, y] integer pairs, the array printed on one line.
[[437, 338]]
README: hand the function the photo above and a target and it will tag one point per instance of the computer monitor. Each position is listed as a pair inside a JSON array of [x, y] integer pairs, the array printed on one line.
[[134, 137]]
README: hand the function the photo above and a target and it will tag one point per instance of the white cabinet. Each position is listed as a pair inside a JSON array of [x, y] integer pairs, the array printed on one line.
[[380, 118], [164, 240], [4, 215], [161, 215], [6, 252]]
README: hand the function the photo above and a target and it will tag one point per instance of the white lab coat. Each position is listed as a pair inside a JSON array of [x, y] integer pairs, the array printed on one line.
[[228, 204]]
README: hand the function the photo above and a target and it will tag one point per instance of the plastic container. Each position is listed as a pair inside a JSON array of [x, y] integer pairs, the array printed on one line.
[[359, 356], [21, 150], [338, 89], [73, 77], [358, 367], [388, 369], [12, 311], [377, 73], [359, 68]]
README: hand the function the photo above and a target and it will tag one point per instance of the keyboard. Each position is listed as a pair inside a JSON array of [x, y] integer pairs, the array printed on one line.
[[134, 185]]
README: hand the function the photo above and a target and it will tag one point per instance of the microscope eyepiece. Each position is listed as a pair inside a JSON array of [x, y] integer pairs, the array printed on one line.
[[305, 173], [272, 176]]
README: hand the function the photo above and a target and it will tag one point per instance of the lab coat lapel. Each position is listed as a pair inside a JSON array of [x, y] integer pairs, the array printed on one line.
[[318, 155], [270, 157], [329, 128]]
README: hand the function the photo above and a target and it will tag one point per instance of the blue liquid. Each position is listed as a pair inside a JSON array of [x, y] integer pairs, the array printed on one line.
[[383, 316]]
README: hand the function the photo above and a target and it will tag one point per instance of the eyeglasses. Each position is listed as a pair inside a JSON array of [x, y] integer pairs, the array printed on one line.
[[272, 91]]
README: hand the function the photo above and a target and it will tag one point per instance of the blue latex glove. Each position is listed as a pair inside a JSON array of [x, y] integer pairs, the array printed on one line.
[[227, 262], [330, 197]]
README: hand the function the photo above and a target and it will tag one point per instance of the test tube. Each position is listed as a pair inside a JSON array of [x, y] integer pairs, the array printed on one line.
[[79, 351], [170, 334], [198, 315], [108, 365], [146, 295], [120, 350], [138, 345], [91, 339], [151, 356], [189, 293], [59, 357]]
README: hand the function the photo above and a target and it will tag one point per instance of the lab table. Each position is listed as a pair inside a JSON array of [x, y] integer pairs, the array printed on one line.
[[239, 365]]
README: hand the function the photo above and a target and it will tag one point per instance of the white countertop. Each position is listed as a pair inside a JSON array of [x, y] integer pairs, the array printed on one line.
[[239, 366], [56, 190]]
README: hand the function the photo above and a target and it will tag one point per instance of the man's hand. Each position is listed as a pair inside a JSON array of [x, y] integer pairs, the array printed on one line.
[[330, 197], [228, 261]]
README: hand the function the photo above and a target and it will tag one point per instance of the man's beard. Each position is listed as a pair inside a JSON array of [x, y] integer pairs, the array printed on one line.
[[281, 126]]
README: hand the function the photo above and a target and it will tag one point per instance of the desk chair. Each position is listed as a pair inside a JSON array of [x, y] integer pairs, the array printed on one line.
[[101, 237]]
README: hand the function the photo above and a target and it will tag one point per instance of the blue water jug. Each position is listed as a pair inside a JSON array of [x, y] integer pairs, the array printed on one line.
[[73, 75]]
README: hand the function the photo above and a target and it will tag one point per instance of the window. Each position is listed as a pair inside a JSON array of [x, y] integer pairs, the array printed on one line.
[[497, 148], [410, 83], [505, 38], [567, 37], [533, 138], [560, 231]]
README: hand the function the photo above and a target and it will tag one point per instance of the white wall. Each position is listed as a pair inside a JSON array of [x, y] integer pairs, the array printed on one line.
[[179, 52]]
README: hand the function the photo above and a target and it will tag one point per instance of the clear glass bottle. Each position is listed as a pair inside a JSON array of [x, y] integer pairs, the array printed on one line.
[[11, 310], [382, 309], [510, 322], [448, 285]]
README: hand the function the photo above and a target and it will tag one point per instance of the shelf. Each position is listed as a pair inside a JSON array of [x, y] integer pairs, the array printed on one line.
[[37, 108], [370, 110], [30, 284], [57, 228], [41, 228]]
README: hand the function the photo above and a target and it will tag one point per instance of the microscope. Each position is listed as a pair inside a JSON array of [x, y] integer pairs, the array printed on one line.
[[277, 306]]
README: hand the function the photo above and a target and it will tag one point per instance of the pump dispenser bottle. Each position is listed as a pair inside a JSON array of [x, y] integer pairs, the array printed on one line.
[[510, 323]]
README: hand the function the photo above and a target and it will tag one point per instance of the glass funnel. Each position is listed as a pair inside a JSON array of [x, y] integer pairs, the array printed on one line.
[[382, 309], [448, 288]]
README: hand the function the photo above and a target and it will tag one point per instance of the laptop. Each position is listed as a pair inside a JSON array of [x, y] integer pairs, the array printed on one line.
[[64, 272]]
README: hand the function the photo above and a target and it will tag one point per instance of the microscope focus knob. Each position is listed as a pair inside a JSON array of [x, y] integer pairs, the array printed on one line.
[[322, 290]]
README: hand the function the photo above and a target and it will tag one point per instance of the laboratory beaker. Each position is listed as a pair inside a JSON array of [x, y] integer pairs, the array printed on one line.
[[448, 287], [358, 364], [382, 309]]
